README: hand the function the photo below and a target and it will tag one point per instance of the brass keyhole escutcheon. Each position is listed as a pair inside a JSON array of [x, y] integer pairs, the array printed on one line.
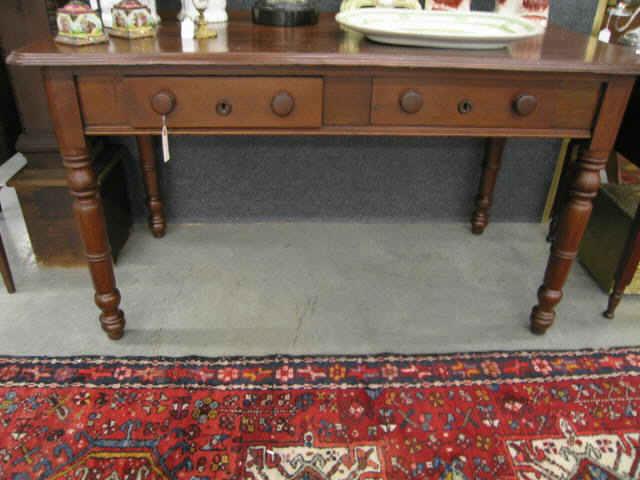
[[224, 108], [465, 106]]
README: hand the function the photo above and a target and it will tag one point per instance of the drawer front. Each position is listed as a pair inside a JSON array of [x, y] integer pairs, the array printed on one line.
[[225, 102], [482, 103]]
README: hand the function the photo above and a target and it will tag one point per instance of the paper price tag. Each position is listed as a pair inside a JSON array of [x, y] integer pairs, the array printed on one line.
[[166, 154]]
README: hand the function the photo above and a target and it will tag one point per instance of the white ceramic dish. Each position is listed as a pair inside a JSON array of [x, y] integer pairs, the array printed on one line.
[[421, 28]]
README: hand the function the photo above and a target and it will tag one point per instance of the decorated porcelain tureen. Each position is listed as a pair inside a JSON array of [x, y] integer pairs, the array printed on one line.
[[132, 19], [79, 24]]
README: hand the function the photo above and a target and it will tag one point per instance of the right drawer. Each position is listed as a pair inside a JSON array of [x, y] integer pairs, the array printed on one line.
[[481, 103]]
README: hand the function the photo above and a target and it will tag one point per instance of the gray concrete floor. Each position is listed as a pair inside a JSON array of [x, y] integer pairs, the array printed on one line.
[[249, 289]]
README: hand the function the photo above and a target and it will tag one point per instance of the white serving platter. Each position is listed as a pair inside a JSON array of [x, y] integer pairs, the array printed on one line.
[[441, 29]]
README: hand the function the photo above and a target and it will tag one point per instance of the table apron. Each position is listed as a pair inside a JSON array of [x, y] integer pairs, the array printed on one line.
[[477, 104]]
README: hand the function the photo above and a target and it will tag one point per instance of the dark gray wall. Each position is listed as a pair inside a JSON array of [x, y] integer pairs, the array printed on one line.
[[214, 179]]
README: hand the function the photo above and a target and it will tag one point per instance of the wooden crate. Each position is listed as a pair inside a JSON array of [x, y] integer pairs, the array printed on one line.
[[46, 205], [613, 212]]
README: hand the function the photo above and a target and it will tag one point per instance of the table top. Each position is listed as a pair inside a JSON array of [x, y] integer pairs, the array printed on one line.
[[241, 43]]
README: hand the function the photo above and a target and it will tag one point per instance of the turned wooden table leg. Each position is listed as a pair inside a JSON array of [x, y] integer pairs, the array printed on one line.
[[490, 169], [571, 227], [562, 195], [576, 212], [5, 270], [157, 222], [87, 205], [627, 266]]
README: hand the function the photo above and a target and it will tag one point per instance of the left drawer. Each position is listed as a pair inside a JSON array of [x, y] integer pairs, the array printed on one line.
[[224, 102]]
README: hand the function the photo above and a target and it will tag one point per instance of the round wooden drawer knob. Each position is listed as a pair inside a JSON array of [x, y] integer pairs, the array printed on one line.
[[525, 105], [411, 101], [163, 102], [282, 104]]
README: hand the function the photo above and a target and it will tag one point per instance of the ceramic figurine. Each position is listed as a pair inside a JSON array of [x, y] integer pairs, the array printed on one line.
[[461, 5], [79, 24], [216, 11], [536, 10], [132, 19]]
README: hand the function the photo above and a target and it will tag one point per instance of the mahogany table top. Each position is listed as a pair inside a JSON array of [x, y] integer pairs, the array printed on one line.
[[242, 43]]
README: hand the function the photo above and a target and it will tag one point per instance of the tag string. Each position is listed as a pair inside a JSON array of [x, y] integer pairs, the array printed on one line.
[[166, 154]]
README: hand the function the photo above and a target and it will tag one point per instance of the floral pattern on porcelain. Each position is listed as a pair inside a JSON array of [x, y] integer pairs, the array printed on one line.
[[461, 5], [79, 24], [132, 19], [536, 10]]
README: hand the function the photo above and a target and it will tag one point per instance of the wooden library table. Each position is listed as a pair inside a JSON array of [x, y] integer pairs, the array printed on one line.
[[319, 80]]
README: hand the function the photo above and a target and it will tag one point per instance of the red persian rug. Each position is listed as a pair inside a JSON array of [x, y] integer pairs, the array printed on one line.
[[545, 415]]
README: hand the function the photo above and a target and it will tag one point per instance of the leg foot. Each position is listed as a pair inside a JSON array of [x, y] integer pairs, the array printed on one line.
[[158, 228], [614, 301], [112, 318], [118, 333], [478, 223], [543, 314], [541, 321]]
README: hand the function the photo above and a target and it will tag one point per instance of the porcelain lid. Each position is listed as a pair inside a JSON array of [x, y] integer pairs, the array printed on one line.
[[76, 7], [130, 5]]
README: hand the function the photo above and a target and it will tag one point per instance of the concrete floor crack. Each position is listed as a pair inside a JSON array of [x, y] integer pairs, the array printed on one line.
[[306, 311]]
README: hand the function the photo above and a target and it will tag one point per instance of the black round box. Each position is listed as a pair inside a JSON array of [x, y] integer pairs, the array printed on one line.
[[283, 13]]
